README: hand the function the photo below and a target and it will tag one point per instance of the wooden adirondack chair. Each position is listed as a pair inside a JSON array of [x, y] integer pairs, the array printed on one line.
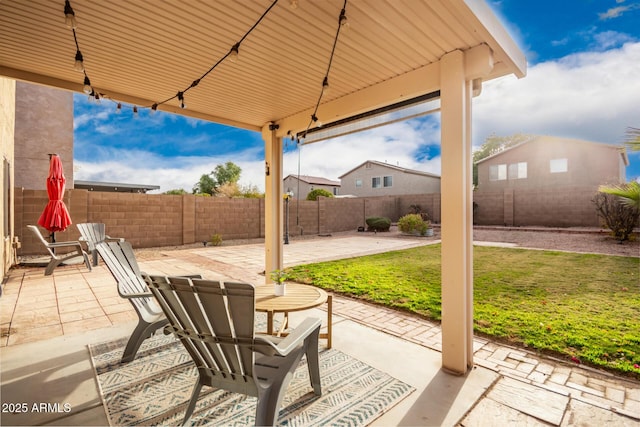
[[121, 262], [57, 259], [93, 233], [214, 320]]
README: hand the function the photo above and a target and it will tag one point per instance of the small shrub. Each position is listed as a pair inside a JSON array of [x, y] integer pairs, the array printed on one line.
[[619, 217], [417, 209], [378, 223], [279, 276], [216, 240], [313, 194], [413, 224]]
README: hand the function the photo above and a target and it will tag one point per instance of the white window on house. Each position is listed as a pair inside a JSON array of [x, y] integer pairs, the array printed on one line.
[[376, 182], [387, 181], [497, 172], [518, 170], [558, 165], [367, 166], [358, 182]]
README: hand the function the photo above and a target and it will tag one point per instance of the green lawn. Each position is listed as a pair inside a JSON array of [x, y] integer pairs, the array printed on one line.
[[585, 307]]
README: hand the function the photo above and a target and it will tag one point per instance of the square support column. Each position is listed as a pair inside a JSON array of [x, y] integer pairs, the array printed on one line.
[[273, 211], [457, 222]]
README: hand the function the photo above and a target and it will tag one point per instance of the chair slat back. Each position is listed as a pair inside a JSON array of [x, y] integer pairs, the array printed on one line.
[[92, 232], [121, 262], [215, 322]]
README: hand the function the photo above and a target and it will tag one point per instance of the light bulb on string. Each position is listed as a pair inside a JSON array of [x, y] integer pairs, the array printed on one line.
[[344, 22], [235, 51], [181, 99], [87, 86], [119, 108], [69, 16], [135, 111], [154, 108], [316, 121], [97, 97], [325, 86], [79, 64]]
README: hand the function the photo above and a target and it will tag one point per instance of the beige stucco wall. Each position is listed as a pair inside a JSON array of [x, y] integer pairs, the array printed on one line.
[[7, 125], [291, 183], [44, 124], [589, 164], [402, 182]]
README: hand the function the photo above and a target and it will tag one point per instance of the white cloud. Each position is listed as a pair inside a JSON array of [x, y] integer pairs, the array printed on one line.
[[616, 12], [591, 95]]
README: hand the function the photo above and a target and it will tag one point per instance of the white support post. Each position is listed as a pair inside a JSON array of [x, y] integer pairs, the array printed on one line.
[[273, 224], [457, 227]]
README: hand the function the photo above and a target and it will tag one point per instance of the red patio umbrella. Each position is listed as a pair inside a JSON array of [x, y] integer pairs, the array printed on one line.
[[55, 216]]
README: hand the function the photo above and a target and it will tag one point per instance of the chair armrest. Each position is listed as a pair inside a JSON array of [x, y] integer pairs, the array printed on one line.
[[113, 239], [137, 295], [61, 244], [293, 340]]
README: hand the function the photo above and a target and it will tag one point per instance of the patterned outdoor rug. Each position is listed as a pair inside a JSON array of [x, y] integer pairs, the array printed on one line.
[[155, 388]]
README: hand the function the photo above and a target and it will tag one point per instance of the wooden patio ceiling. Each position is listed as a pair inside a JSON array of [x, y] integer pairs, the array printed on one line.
[[144, 52]]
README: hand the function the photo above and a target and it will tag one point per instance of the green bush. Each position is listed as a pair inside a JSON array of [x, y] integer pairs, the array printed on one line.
[[313, 194], [216, 239], [378, 223], [619, 217], [413, 224]]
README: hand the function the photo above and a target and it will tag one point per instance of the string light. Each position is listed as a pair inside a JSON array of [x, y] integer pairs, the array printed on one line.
[[69, 16], [342, 25], [79, 64], [325, 85], [344, 22], [87, 85], [233, 55], [135, 111]]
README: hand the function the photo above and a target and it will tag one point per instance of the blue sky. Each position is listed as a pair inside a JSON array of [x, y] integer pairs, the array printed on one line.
[[582, 82]]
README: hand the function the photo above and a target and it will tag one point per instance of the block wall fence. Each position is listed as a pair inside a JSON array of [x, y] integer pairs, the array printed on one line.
[[152, 220]]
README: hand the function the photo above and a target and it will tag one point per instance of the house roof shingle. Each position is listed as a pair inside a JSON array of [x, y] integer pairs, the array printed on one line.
[[398, 168], [315, 180]]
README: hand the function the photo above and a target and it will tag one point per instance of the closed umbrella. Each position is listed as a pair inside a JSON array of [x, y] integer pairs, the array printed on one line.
[[55, 216]]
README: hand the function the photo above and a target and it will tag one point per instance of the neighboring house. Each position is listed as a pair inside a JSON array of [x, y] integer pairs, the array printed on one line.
[[300, 188], [548, 161], [373, 178]]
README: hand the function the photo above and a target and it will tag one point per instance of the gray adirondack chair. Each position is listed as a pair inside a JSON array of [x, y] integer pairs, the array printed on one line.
[[121, 262], [214, 320], [57, 259], [93, 233]]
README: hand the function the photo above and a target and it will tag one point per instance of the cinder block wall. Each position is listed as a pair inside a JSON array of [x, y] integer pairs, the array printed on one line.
[[168, 220], [231, 218]]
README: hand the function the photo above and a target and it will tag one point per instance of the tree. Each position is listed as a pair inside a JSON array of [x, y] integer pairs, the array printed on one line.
[[177, 191], [495, 144], [206, 185], [633, 139], [313, 194], [229, 172], [619, 217]]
